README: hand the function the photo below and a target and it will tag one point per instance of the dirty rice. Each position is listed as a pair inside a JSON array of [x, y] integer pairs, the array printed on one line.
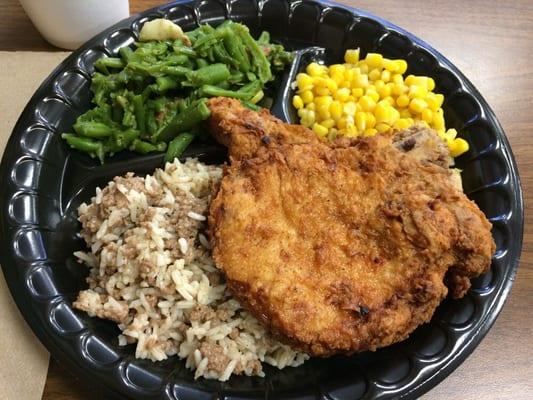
[[151, 272]]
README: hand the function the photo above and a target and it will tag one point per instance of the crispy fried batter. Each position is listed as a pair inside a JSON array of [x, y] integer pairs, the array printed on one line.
[[343, 248], [244, 131]]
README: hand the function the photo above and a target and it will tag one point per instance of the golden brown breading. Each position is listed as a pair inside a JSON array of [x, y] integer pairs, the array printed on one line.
[[345, 248], [244, 131]]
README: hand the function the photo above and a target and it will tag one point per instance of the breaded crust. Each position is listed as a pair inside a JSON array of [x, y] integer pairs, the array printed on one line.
[[344, 249]]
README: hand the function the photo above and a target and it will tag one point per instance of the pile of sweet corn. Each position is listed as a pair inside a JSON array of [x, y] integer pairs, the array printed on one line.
[[369, 96]]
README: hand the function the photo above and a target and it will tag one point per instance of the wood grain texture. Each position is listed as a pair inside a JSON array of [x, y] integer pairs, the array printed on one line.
[[491, 42]]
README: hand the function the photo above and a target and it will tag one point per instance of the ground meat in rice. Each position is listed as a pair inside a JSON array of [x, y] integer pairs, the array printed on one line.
[[151, 272]]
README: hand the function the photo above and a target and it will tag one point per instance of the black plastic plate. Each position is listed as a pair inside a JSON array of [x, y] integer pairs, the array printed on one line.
[[43, 182]]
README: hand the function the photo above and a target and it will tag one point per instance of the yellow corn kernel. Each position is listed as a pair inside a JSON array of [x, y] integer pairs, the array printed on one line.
[[363, 66], [311, 106], [338, 77], [360, 81], [320, 130], [341, 123], [431, 84], [328, 123], [374, 75], [417, 105], [307, 96], [436, 101], [386, 76], [438, 121], [385, 91], [349, 75], [458, 147], [351, 130], [427, 115], [402, 101], [351, 56], [301, 112], [397, 78], [342, 94], [399, 89], [341, 132], [405, 113], [323, 112], [345, 84], [335, 109], [304, 81], [332, 134], [331, 85], [379, 84], [402, 123], [315, 69], [349, 108], [394, 115], [336, 69], [390, 65], [311, 116], [297, 102], [319, 81], [370, 132], [321, 91], [390, 100], [374, 60], [416, 91], [360, 121], [323, 100], [451, 133], [370, 120], [401, 66], [357, 92], [367, 103], [373, 94], [382, 112], [382, 127], [417, 80]]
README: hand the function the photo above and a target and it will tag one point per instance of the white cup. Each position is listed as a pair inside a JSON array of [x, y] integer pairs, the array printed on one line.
[[70, 23]]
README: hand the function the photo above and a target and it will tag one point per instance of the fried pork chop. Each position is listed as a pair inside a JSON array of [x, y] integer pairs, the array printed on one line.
[[341, 248]]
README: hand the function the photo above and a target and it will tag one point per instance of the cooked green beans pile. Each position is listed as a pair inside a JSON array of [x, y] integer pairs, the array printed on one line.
[[153, 98]]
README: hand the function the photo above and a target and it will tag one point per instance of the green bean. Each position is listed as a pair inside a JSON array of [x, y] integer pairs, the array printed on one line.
[[259, 60], [180, 48], [92, 129], [250, 105], [134, 103], [264, 38], [209, 75], [165, 83], [236, 49], [245, 93], [91, 147], [181, 105], [120, 140], [184, 121], [140, 146], [140, 113], [200, 63], [151, 123], [222, 56], [102, 64], [236, 77], [126, 53], [175, 70], [178, 145]]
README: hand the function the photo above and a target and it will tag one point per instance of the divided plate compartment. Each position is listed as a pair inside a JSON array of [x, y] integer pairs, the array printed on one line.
[[44, 182]]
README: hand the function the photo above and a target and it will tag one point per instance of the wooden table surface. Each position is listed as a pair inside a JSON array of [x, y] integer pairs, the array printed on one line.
[[492, 43]]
